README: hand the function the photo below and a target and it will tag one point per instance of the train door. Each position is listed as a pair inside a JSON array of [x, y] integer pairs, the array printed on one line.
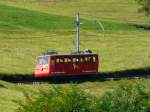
[[58, 68], [76, 65], [52, 65], [67, 65]]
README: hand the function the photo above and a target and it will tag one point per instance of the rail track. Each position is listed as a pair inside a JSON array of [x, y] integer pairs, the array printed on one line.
[[105, 76], [69, 79]]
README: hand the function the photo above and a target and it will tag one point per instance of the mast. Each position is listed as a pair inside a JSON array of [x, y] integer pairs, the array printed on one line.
[[78, 33]]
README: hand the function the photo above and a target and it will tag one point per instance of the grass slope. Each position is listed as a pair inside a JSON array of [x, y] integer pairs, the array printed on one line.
[[120, 10], [22, 19], [25, 34], [32, 26], [16, 18]]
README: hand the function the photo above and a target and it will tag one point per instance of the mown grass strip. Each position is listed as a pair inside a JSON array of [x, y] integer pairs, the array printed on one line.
[[13, 18]]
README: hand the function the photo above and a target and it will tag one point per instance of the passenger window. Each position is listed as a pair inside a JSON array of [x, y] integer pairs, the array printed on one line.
[[66, 60], [94, 59], [69, 60], [57, 60], [74, 59], [52, 61], [88, 59], [81, 60], [61, 60]]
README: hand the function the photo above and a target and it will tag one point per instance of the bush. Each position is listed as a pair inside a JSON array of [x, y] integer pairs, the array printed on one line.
[[145, 6], [134, 97], [59, 99], [127, 98]]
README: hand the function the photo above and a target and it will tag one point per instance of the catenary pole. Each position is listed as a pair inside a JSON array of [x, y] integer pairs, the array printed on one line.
[[78, 33]]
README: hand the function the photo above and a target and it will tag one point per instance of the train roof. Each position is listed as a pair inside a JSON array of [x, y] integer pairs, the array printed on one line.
[[76, 54]]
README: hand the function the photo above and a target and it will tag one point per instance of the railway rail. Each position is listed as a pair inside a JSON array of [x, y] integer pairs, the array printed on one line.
[[75, 80], [120, 75]]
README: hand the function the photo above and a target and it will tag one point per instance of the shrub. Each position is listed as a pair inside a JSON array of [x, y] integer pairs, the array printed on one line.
[[59, 99], [145, 6], [134, 97], [127, 98]]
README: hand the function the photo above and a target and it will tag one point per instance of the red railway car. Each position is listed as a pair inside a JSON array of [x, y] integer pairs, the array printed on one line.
[[78, 63], [66, 65]]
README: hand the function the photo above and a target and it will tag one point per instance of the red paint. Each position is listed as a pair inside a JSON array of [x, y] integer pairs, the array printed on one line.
[[66, 65]]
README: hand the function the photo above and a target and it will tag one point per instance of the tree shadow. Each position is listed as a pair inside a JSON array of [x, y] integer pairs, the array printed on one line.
[[2, 86], [104, 76], [144, 27]]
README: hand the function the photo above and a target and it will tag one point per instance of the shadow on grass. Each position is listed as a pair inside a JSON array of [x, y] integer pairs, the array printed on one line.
[[2, 86], [145, 27], [105, 76]]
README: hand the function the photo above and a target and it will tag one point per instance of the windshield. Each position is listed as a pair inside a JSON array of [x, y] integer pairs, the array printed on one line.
[[42, 60]]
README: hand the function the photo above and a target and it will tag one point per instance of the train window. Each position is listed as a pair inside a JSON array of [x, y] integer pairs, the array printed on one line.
[[67, 60], [42, 60], [85, 59], [57, 60], [75, 59], [81, 60], [94, 59], [88, 59], [52, 62], [61, 60]]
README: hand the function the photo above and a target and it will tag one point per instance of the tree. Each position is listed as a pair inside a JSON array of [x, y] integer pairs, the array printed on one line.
[[145, 6]]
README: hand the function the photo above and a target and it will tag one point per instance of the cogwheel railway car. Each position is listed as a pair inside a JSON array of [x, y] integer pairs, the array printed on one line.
[[66, 65], [78, 63]]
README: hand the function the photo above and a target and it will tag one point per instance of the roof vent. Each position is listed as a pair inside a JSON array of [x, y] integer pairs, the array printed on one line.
[[87, 51], [50, 52]]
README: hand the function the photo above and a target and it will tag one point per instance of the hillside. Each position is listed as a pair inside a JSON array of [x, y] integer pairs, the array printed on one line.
[[117, 10], [29, 27]]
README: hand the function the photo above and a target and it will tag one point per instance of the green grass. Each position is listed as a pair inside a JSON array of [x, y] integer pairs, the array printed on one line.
[[119, 10], [29, 27], [11, 92], [26, 34], [117, 51], [16, 18], [22, 19]]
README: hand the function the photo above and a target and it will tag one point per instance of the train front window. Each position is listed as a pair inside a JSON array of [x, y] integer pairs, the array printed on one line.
[[42, 60]]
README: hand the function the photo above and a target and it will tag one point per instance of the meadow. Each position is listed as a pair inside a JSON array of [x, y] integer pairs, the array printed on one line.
[[26, 33], [29, 27]]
